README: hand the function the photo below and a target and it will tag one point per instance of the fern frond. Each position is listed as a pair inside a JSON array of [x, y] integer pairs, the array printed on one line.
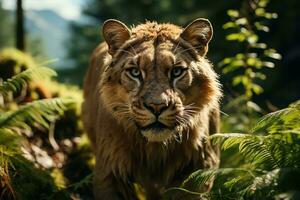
[[201, 177], [283, 120], [263, 185], [271, 161], [228, 183], [38, 112], [84, 182], [229, 140], [258, 152], [15, 170], [17, 82], [181, 193], [9, 138], [257, 149]]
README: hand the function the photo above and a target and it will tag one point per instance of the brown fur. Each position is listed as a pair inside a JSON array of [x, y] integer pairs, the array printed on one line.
[[118, 107]]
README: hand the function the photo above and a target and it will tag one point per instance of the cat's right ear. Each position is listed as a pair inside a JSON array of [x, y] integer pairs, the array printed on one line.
[[198, 34], [115, 34]]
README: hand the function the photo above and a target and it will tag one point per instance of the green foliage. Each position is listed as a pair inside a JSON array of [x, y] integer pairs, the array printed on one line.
[[13, 61], [21, 178], [41, 111], [247, 66], [282, 121], [41, 133], [271, 152], [18, 81], [242, 114]]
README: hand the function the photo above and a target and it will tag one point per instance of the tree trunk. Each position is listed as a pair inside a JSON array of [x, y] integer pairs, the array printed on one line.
[[20, 33]]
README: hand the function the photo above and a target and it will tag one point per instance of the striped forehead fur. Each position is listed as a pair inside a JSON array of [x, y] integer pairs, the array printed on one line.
[[152, 31]]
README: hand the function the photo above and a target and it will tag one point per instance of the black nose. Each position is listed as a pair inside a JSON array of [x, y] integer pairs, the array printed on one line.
[[156, 109]]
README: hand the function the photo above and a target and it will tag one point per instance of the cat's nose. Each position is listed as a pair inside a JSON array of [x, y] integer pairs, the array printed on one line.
[[155, 108]]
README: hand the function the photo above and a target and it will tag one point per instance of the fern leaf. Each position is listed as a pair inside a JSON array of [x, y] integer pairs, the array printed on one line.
[[283, 120], [177, 192], [258, 150], [17, 82], [84, 182], [229, 139], [41, 112], [201, 177], [263, 185], [9, 138]]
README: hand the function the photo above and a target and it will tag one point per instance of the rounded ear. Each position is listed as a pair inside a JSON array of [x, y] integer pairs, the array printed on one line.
[[115, 34], [198, 34]]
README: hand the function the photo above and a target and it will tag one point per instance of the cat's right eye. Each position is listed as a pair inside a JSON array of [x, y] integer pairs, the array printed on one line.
[[134, 72], [177, 72]]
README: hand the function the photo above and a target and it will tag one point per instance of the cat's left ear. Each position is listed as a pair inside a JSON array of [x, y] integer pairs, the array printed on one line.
[[198, 34], [115, 34]]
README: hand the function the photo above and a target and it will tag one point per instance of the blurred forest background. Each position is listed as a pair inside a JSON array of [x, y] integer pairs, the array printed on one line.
[[255, 49]]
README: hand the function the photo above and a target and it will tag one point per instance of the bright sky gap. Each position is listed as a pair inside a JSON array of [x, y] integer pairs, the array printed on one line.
[[69, 9]]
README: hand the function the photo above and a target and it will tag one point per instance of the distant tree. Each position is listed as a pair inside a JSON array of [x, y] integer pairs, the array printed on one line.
[[20, 32], [5, 33]]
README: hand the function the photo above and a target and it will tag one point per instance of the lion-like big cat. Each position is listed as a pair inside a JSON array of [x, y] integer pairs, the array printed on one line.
[[151, 101]]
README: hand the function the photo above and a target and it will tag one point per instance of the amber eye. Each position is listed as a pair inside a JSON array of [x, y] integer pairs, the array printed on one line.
[[134, 72], [177, 71]]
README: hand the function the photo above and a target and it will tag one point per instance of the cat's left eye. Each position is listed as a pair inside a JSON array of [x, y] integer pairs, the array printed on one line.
[[177, 72]]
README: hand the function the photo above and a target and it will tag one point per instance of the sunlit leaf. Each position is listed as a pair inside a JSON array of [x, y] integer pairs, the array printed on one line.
[[271, 53], [257, 89], [233, 13], [259, 45], [260, 75], [259, 26], [260, 12], [241, 21], [254, 106], [268, 64], [229, 25], [251, 61], [236, 36], [252, 39], [237, 80]]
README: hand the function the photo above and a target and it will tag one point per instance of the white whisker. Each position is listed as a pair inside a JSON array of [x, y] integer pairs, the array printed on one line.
[[135, 53], [176, 47]]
